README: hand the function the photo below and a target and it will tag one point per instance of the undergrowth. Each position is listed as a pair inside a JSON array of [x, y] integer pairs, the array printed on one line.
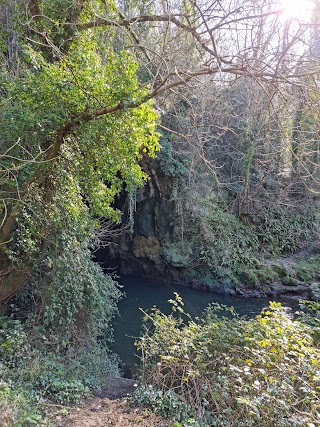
[[36, 373], [210, 235], [226, 370]]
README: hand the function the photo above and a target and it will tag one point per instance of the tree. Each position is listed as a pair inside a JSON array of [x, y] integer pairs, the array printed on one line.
[[76, 118], [67, 149]]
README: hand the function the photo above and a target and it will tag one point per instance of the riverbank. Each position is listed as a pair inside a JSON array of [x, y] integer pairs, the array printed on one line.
[[295, 276]]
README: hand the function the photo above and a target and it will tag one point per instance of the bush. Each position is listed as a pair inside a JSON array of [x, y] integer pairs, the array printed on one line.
[[232, 371], [167, 404], [31, 373], [306, 274]]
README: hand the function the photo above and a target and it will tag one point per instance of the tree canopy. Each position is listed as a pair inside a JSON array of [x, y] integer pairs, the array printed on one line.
[[83, 85], [226, 92]]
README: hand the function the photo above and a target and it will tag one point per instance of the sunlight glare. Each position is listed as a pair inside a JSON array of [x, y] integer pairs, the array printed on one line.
[[297, 9]]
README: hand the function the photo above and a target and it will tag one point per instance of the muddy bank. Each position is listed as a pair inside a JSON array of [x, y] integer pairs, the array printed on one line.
[[109, 407]]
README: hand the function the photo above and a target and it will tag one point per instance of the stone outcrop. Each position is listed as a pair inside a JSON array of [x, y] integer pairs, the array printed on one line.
[[139, 250], [151, 247]]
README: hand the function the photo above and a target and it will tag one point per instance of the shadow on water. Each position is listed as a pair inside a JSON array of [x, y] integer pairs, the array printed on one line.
[[145, 293]]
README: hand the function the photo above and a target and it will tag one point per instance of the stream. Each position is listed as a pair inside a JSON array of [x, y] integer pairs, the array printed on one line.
[[145, 293]]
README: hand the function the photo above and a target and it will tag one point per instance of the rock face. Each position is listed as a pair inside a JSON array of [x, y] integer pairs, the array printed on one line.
[[146, 247], [141, 250], [151, 245]]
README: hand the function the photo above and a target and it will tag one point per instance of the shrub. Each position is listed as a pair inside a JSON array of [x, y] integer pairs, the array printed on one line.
[[31, 372], [306, 274], [289, 280], [167, 404], [280, 270], [232, 371]]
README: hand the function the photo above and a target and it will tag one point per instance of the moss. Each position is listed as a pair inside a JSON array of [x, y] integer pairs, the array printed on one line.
[[259, 276], [305, 274], [309, 268], [280, 270], [289, 280], [176, 256], [249, 276], [267, 274], [226, 276]]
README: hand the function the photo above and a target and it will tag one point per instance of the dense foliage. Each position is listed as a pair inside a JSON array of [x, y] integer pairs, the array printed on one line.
[[38, 368], [212, 242], [227, 370], [74, 123], [240, 203], [63, 159], [78, 121]]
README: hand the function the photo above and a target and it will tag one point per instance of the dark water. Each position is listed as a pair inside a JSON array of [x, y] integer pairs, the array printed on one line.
[[145, 293]]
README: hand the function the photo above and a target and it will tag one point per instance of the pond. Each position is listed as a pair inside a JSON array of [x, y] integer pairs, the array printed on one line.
[[144, 294]]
